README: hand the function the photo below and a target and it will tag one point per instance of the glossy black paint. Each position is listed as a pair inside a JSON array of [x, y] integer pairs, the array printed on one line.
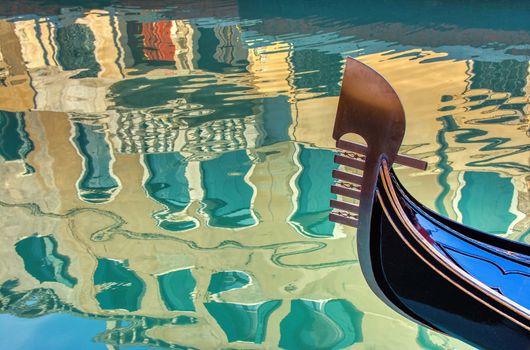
[[436, 294]]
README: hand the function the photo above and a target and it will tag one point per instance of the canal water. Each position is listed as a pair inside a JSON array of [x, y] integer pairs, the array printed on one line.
[[165, 166]]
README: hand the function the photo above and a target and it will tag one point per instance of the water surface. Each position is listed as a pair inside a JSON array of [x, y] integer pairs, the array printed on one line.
[[165, 168]]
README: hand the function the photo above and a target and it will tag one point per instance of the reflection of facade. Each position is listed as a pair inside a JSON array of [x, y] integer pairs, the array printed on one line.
[[116, 277]]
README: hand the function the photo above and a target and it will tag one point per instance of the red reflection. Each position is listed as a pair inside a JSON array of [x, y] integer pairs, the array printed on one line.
[[158, 45]]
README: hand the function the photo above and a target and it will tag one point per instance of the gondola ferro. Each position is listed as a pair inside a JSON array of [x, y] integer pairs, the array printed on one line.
[[448, 277]]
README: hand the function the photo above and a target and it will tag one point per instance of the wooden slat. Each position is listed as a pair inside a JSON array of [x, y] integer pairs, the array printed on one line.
[[340, 219], [411, 162], [343, 191], [342, 175], [352, 146], [349, 207], [348, 161]]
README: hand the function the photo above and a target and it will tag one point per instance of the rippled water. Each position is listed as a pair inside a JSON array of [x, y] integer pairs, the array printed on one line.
[[165, 171]]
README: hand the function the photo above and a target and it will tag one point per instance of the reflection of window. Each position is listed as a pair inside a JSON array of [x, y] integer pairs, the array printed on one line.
[[42, 261], [76, 50], [506, 76], [243, 322], [220, 50], [168, 185], [118, 287], [313, 186], [97, 183], [15, 143], [227, 195], [230, 49], [158, 44], [276, 120], [176, 289], [325, 80], [227, 280], [330, 324], [491, 212]]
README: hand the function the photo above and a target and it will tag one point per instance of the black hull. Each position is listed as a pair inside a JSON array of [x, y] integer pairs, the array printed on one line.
[[430, 289]]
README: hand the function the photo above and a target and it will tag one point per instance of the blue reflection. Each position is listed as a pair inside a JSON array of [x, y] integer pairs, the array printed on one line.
[[228, 280], [311, 215], [227, 196], [505, 76], [325, 80], [42, 261], [97, 183], [512, 280], [243, 322], [168, 185], [492, 212], [176, 289], [327, 324], [15, 143], [120, 287], [276, 120]]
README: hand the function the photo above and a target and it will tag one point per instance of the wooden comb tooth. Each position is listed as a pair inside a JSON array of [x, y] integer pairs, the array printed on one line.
[[345, 176], [348, 161], [354, 155], [349, 207], [344, 218], [347, 184], [345, 191], [352, 146]]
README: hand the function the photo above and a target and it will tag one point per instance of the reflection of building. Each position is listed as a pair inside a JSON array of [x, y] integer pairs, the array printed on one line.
[[112, 261]]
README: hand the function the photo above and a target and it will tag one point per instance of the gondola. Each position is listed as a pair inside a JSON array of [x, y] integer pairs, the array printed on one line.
[[441, 274]]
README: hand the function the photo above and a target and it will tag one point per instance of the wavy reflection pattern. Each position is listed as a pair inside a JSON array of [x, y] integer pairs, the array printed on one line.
[[120, 329]]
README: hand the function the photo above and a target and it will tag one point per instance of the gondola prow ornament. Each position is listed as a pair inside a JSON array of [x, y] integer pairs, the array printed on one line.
[[451, 278]]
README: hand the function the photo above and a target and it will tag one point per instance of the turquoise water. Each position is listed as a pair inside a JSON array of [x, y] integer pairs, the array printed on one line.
[[165, 167]]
